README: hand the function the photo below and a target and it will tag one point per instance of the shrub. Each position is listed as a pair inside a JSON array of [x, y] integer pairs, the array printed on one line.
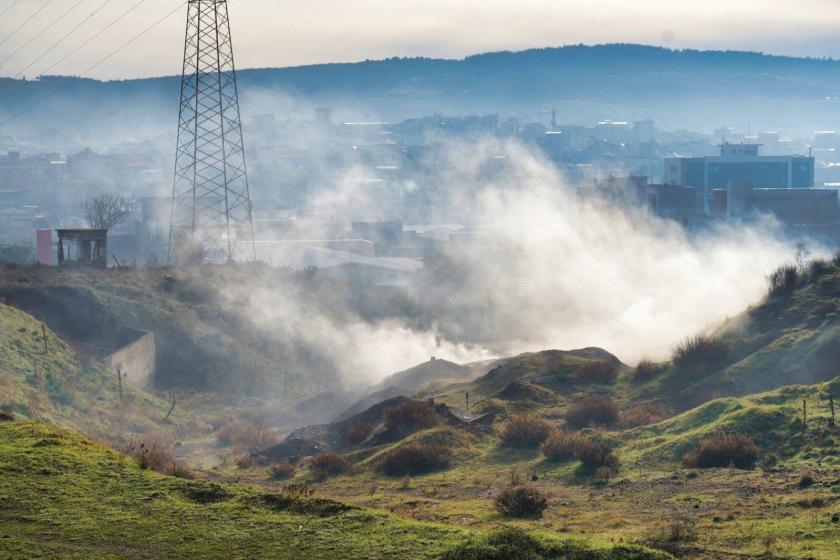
[[357, 431], [560, 446], [700, 350], [504, 543], [282, 471], [410, 416], [297, 491], [180, 470], [643, 415], [593, 409], [806, 480], [158, 458], [521, 501], [596, 371], [722, 451], [593, 454], [526, 431], [415, 458], [782, 281], [245, 461], [245, 435], [326, 465], [671, 535], [646, 369]]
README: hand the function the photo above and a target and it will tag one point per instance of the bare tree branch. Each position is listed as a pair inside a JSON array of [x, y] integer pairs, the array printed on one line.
[[104, 211]]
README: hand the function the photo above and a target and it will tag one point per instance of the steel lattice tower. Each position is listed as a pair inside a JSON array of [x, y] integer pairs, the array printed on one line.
[[211, 203]]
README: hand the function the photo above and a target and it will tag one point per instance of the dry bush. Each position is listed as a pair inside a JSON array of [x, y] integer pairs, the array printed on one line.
[[521, 501], [180, 470], [593, 454], [603, 474], [245, 461], [357, 431], [782, 281], [722, 451], [158, 458], [700, 350], [244, 435], [806, 480], [526, 431], [410, 416], [282, 471], [415, 458], [643, 415], [672, 535], [297, 491], [560, 446], [326, 465], [646, 369], [593, 409], [596, 371]]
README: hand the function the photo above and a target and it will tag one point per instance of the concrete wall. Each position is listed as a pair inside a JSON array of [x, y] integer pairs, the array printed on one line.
[[136, 361]]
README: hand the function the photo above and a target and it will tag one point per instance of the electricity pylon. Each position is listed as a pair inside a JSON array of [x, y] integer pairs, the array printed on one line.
[[211, 203]]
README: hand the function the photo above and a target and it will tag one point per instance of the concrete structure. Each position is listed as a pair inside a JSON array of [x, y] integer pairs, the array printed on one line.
[[790, 206], [136, 361], [740, 164], [83, 247], [43, 241]]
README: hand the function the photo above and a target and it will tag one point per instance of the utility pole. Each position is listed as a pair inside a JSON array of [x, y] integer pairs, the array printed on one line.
[[211, 203]]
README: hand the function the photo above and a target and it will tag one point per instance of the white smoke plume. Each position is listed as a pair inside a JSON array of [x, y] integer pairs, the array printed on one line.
[[544, 270]]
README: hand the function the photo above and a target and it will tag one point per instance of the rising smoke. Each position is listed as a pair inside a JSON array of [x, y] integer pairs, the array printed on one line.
[[540, 269]]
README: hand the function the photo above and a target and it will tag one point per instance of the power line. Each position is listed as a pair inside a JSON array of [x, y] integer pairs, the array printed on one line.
[[94, 36], [9, 7], [64, 38], [78, 47], [92, 68], [44, 30], [27, 20]]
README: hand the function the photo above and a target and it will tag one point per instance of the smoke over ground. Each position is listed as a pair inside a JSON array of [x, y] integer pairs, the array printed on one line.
[[536, 268], [562, 273]]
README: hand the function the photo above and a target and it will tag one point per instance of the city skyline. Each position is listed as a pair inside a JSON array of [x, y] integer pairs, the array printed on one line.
[[301, 33]]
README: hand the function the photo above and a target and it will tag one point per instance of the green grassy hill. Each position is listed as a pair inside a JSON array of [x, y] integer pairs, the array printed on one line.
[[788, 338], [56, 383], [62, 495]]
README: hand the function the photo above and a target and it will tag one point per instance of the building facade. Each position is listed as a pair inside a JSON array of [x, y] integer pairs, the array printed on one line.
[[740, 164]]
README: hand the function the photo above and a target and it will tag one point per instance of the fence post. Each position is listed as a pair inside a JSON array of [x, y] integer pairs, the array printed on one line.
[[805, 413]]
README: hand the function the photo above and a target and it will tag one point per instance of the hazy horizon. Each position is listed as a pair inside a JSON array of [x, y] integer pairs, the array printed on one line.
[[326, 31]]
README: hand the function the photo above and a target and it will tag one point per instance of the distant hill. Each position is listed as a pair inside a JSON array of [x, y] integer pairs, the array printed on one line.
[[679, 88]]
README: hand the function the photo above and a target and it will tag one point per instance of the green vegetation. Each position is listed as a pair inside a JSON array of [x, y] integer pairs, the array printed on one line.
[[66, 496], [41, 376]]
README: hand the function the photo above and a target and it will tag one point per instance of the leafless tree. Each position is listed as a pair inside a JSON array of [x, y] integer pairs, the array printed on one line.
[[104, 211]]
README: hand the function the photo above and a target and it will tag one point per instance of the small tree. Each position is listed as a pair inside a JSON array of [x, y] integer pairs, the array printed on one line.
[[104, 211]]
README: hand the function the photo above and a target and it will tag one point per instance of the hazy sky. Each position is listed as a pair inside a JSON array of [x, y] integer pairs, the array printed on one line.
[[293, 32]]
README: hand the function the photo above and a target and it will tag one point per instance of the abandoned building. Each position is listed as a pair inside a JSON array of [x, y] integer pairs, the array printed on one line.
[[83, 247]]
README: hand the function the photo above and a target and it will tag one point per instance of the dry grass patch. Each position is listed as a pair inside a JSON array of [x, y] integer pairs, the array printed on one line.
[[723, 450], [593, 409], [525, 431], [521, 501]]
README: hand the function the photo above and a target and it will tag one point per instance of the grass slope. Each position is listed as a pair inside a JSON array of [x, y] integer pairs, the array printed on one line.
[[791, 338], [62, 495], [65, 387]]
